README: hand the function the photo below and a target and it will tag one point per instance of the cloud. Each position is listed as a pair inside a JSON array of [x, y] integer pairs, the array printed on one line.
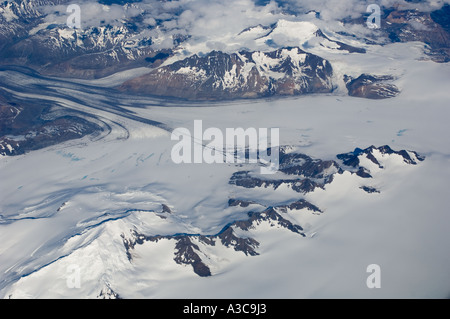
[[215, 24], [201, 16], [92, 14]]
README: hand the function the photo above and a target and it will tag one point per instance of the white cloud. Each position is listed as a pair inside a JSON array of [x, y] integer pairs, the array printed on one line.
[[215, 24]]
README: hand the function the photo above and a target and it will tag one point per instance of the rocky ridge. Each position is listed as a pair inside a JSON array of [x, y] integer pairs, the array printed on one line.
[[190, 249]]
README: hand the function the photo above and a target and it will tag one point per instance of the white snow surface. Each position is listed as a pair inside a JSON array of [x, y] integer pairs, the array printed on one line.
[[70, 204]]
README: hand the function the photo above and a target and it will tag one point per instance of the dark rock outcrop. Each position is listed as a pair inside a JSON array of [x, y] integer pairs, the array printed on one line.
[[369, 189], [188, 252], [351, 158], [219, 75], [25, 127], [371, 86], [311, 173]]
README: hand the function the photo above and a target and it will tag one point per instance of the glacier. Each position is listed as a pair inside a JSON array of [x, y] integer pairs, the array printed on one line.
[[103, 211], [57, 212]]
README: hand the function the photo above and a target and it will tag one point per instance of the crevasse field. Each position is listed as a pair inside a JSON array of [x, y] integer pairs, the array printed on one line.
[[69, 206]]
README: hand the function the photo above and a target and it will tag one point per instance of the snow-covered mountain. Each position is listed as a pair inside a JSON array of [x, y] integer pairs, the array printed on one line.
[[119, 241], [197, 250], [371, 87], [93, 205], [116, 211], [405, 24], [34, 33], [287, 71]]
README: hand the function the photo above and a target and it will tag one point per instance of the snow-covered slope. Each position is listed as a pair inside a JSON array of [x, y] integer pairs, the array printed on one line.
[[287, 71], [118, 212], [35, 34], [92, 205], [116, 37]]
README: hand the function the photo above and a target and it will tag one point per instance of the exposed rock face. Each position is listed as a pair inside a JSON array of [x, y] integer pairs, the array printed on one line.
[[371, 86], [190, 248], [402, 24], [340, 45], [26, 38], [239, 202], [300, 164], [108, 293], [310, 173], [219, 75], [187, 247], [186, 253], [25, 127], [89, 54], [301, 185], [352, 158], [302, 204], [370, 189], [431, 28]]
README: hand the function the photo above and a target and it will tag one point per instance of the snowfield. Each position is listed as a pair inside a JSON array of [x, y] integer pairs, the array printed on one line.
[[66, 210]]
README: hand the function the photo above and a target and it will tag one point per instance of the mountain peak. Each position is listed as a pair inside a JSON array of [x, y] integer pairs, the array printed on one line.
[[219, 75]]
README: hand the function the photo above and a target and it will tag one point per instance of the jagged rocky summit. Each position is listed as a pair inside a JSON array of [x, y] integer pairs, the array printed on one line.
[[305, 175]]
